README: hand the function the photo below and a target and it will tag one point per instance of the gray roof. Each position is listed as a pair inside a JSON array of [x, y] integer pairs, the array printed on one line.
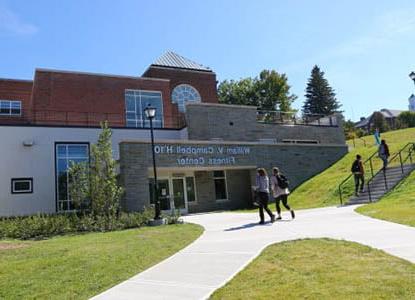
[[174, 60], [391, 113], [387, 113]]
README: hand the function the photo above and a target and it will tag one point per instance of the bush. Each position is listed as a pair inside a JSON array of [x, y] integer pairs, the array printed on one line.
[[174, 217], [407, 119], [43, 226]]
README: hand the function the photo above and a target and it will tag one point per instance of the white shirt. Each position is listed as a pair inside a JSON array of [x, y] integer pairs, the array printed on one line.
[[276, 190], [262, 182]]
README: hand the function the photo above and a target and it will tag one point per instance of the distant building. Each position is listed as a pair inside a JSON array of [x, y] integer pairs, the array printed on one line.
[[390, 116], [412, 103]]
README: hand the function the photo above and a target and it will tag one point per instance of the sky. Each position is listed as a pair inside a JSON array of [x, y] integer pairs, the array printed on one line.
[[366, 48]]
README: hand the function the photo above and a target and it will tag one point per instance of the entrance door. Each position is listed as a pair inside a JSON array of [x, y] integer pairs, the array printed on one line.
[[164, 192], [179, 198]]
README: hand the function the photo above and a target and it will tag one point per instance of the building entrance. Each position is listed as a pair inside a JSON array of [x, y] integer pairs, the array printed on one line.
[[175, 193]]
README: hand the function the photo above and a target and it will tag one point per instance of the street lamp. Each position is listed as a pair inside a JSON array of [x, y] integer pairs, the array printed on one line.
[[412, 76], [150, 113]]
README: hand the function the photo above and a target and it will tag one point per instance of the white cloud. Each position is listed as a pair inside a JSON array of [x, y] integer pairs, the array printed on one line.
[[11, 23]]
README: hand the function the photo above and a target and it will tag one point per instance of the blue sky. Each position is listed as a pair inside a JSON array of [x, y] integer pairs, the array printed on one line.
[[366, 48]]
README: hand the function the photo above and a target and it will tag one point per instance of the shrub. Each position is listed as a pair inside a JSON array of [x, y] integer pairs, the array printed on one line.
[[174, 217], [43, 226], [407, 119]]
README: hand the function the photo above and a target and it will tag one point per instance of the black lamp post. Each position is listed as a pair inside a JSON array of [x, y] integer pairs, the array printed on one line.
[[412, 76], [150, 113]]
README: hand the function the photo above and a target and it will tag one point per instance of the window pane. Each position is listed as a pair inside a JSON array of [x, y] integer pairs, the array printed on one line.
[[190, 189], [77, 151], [4, 111], [220, 189], [22, 185], [132, 124], [61, 150], [129, 103], [62, 186], [150, 94], [62, 165], [218, 174], [16, 104], [15, 111]]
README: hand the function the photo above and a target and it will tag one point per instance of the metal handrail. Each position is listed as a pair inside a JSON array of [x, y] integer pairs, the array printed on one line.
[[401, 162], [291, 117], [373, 175], [369, 160]]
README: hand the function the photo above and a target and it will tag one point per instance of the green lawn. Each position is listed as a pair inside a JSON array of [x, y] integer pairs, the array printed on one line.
[[81, 266], [398, 206], [322, 189], [322, 269]]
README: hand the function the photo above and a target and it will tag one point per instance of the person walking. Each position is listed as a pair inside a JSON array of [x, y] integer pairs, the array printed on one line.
[[279, 186], [383, 152], [262, 184], [359, 175]]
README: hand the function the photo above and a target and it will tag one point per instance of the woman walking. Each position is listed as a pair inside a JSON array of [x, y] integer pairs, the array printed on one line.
[[279, 186], [262, 184]]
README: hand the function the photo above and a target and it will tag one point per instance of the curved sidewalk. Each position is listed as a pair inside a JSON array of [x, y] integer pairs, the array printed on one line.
[[232, 240]]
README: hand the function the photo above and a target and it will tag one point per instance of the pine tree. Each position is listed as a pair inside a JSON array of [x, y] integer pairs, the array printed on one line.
[[320, 97]]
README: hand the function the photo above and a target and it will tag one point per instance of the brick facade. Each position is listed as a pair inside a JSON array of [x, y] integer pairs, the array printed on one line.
[[20, 90], [86, 99], [203, 81]]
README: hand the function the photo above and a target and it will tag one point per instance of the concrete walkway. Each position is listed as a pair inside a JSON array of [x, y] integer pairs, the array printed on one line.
[[232, 240]]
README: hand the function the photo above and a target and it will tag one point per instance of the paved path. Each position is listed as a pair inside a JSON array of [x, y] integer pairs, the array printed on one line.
[[232, 240]]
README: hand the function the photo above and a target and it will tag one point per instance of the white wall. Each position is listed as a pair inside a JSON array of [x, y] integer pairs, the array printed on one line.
[[38, 161]]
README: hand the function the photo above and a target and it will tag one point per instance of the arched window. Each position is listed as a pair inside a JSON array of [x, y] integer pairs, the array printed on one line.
[[184, 93]]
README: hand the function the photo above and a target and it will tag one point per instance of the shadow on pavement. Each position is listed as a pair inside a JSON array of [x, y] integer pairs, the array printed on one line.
[[249, 225]]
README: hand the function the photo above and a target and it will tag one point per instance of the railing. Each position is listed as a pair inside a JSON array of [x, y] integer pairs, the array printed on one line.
[[400, 161], [292, 118], [376, 167], [86, 119], [359, 139]]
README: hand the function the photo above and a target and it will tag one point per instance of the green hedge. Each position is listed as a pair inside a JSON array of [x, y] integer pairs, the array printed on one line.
[[42, 226]]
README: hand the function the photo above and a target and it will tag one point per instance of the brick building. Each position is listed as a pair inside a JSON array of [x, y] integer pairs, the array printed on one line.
[[47, 123]]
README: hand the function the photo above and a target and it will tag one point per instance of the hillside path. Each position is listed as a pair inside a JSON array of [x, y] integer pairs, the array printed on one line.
[[233, 240]]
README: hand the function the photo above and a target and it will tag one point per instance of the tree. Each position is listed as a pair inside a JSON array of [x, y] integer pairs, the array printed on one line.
[[97, 182], [349, 129], [378, 121], [268, 91], [320, 97], [407, 119]]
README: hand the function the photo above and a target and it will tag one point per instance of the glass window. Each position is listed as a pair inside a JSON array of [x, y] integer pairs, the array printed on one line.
[[190, 189], [135, 103], [67, 154], [22, 185], [10, 108], [184, 93], [220, 185]]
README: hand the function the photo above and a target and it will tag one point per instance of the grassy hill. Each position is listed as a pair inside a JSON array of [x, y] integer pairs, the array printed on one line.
[[398, 206], [322, 189]]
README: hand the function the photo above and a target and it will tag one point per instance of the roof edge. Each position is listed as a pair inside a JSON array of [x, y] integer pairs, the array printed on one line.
[[99, 74]]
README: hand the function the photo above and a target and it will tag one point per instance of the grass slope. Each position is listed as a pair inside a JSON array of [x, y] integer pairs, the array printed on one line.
[[81, 266], [322, 269], [398, 206], [321, 190]]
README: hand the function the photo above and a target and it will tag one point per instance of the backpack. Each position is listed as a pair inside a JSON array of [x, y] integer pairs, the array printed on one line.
[[355, 167], [282, 181]]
